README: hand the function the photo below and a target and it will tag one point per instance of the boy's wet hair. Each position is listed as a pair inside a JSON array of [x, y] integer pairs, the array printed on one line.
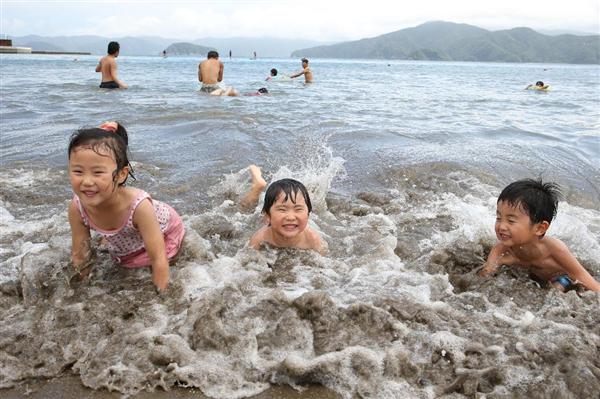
[[305, 60], [113, 47], [539, 200], [273, 72], [263, 90], [290, 188], [212, 54], [539, 83], [97, 139]]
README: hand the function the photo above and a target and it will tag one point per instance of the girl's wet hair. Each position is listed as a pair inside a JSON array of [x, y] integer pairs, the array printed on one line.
[[539, 200], [98, 139], [290, 188]]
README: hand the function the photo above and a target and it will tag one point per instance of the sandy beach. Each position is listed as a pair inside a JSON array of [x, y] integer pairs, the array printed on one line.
[[70, 387]]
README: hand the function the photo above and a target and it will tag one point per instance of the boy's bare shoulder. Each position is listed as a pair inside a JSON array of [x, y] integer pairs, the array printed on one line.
[[314, 240], [558, 250], [259, 237], [554, 244]]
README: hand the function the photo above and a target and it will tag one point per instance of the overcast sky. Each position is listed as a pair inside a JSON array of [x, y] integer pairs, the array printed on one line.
[[321, 20]]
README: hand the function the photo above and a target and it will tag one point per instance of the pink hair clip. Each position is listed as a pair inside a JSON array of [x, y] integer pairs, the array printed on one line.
[[110, 126]]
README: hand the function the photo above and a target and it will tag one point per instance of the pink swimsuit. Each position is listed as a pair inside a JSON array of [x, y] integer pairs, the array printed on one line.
[[126, 245]]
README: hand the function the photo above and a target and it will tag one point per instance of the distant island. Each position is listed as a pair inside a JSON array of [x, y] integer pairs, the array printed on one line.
[[447, 41], [187, 49]]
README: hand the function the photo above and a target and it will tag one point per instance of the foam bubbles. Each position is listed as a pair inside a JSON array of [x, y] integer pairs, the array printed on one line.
[[392, 310]]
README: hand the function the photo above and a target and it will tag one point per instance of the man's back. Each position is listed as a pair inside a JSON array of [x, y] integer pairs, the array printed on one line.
[[107, 65], [210, 71]]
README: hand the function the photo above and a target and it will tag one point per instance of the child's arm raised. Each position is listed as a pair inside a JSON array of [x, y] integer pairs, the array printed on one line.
[[80, 238], [571, 265], [145, 221]]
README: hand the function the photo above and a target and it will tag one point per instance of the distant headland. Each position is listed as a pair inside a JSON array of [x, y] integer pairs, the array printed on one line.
[[448, 41], [6, 47]]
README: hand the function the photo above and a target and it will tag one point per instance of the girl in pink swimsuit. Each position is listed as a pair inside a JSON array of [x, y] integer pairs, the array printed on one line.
[[139, 231]]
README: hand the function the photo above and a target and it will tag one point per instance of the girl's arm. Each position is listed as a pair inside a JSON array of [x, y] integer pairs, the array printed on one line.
[[80, 236], [144, 219]]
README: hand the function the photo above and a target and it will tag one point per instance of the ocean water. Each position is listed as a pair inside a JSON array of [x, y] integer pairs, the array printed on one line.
[[404, 161]]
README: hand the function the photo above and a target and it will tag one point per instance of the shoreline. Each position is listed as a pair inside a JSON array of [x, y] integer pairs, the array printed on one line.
[[70, 387]]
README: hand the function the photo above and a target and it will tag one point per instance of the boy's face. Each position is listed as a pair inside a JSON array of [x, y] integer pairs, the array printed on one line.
[[514, 227], [288, 218]]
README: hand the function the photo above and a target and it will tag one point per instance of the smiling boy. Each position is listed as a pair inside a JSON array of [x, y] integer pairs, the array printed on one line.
[[525, 209], [286, 209]]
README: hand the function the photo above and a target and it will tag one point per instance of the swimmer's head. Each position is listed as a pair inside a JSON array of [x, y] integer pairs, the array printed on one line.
[[273, 72], [113, 48], [263, 90], [110, 139], [539, 83], [290, 188], [212, 54], [304, 61]]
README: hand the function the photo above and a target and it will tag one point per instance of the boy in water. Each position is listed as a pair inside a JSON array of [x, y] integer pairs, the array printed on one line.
[[525, 209], [108, 67], [286, 209], [273, 74], [232, 92], [308, 76], [210, 72], [539, 85]]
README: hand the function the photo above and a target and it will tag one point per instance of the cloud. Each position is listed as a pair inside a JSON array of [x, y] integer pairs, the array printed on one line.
[[311, 19]]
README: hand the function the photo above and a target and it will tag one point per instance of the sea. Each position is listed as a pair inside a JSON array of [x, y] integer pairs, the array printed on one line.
[[403, 160]]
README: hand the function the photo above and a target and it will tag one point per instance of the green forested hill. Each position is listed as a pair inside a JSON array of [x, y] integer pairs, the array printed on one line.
[[461, 42], [187, 49]]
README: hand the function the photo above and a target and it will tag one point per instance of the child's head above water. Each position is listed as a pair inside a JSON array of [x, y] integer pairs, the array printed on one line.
[[273, 72], [539, 83], [538, 200], [284, 190], [110, 139]]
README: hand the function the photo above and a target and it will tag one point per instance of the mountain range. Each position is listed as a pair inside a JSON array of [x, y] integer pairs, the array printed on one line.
[[438, 40], [449, 41]]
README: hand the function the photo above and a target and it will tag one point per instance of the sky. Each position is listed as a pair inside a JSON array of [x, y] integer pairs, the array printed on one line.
[[321, 20]]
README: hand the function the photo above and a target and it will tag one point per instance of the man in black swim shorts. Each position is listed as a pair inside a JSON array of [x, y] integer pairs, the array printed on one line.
[[108, 67], [109, 85]]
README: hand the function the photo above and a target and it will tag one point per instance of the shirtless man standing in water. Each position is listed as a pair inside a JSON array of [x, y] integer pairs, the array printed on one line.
[[108, 67], [210, 72], [308, 76]]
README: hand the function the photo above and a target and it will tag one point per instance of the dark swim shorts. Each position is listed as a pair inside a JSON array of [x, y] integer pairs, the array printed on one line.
[[565, 281], [109, 85], [209, 88]]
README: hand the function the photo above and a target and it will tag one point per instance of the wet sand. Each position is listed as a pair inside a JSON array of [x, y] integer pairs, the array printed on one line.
[[70, 387]]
